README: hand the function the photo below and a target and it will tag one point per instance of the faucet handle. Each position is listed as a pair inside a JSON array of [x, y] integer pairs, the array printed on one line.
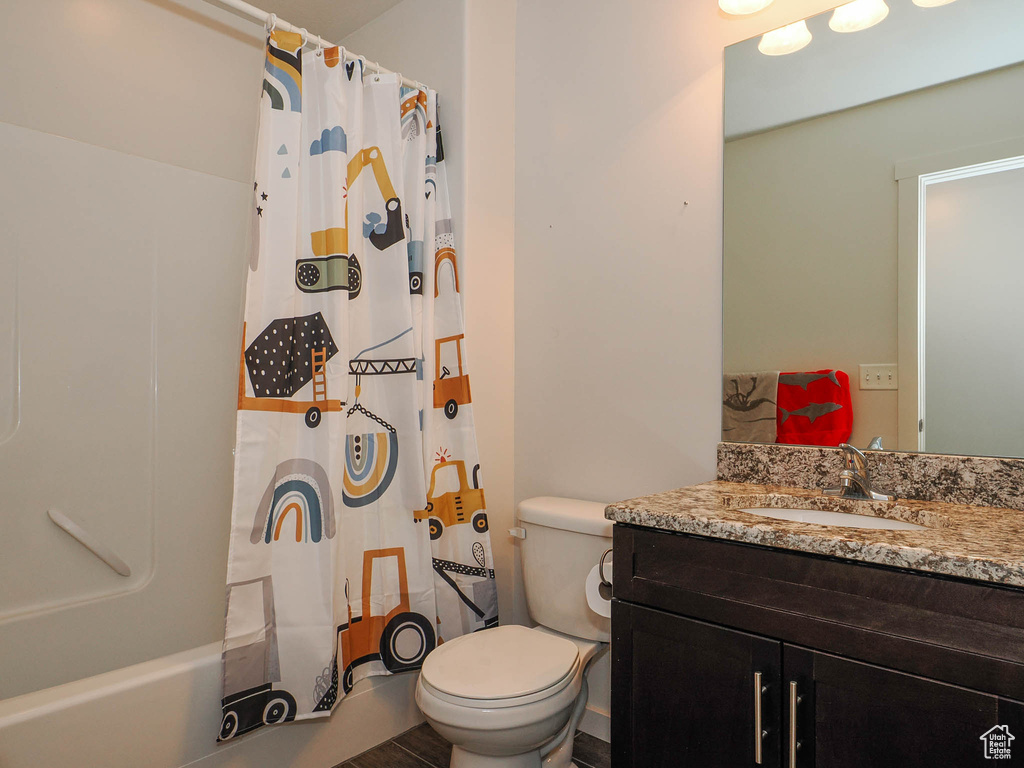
[[855, 459], [875, 444], [855, 480]]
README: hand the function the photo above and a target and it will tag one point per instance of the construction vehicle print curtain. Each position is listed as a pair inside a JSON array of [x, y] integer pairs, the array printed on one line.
[[358, 527]]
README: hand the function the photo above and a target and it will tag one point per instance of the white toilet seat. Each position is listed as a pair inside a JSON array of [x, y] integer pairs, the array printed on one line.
[[480, 715], [502, 703], [507, 666]]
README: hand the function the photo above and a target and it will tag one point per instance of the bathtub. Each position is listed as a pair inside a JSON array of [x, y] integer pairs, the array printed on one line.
[[165, 713]]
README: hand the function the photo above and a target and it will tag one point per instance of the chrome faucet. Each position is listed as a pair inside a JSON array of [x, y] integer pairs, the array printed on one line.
[[855, 480]]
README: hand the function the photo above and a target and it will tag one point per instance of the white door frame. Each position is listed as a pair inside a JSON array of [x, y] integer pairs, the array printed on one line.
[[913, 178]]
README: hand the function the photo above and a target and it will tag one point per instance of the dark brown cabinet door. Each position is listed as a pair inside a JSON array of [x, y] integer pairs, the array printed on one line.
[[852, 715], [684, 695]]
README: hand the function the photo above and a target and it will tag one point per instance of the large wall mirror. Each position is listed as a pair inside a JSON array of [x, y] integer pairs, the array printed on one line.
[[874, 229]]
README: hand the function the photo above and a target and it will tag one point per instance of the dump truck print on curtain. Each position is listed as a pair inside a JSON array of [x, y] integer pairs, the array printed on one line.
[[359, 525]]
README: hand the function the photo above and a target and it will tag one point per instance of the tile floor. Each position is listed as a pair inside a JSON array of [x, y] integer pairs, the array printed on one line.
[[423, 748]]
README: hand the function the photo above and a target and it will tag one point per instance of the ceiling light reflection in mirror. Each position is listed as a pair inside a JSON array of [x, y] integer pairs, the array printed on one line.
[[855, 16], [788, 39], [744, 7], [858, 15]]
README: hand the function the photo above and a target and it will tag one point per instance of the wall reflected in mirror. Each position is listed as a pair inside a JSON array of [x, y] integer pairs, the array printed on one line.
[[874, 234]]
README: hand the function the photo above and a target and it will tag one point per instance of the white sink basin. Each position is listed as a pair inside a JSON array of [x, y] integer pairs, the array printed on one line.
[[843, 519]]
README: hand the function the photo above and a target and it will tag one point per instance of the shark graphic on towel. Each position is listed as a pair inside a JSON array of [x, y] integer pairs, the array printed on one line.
[[802, 380], [812, 411]]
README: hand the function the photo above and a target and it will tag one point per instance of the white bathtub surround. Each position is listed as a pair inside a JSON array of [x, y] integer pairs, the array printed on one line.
[[163, 714]]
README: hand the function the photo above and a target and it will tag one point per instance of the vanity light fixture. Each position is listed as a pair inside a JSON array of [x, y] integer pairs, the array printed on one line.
[[932, 3], [788, 39], [858, 15], [743, 7]]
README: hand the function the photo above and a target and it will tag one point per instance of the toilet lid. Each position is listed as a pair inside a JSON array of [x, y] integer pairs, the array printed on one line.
[[500, 663]]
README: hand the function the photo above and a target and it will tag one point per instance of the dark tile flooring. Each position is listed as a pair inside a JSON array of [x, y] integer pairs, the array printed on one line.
[[423, 748]]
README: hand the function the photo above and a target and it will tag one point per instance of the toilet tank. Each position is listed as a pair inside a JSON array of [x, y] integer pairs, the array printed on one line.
[[564, 540]]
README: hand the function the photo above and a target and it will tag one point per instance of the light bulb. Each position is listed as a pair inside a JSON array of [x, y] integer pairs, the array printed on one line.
[[788, 39], [743, 7], [858, 15], [932, 3]]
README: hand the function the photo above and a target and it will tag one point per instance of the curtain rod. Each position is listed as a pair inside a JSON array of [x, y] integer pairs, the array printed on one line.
[[244, 9]]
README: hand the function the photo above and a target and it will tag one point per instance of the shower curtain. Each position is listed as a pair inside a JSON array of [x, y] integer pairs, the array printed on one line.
[[358, 527]]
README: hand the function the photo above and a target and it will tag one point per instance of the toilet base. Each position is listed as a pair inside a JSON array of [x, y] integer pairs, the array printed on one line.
[[463, 759]]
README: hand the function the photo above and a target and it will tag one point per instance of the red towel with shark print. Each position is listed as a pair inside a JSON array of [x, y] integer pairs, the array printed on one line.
[[814, 408]]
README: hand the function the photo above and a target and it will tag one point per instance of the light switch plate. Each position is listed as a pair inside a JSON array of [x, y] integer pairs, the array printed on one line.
[[879, 377]]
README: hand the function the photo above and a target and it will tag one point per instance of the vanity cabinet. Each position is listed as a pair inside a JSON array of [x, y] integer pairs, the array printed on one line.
[[717, 645], [852, 715], [670, 658]]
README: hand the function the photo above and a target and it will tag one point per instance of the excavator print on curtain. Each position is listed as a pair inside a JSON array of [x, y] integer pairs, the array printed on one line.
[[342, 565], [455, 511]]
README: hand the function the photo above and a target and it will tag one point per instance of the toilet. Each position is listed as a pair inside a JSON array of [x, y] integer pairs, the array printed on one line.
[[512, 696]]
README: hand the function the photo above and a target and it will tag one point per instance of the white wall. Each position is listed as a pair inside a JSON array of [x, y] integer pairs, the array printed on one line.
[[618, 280]]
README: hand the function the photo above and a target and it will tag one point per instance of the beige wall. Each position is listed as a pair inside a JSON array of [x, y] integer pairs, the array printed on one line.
[[811, 231], [618, 325], [618, 281]]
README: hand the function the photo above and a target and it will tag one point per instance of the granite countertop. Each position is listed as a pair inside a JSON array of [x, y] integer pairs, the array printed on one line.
[[969, 542]]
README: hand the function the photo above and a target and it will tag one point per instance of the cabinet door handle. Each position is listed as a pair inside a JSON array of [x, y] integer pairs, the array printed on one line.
[[794, 699], [759, 732]]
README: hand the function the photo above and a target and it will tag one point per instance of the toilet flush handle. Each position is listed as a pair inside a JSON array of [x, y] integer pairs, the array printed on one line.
[[600, 568]]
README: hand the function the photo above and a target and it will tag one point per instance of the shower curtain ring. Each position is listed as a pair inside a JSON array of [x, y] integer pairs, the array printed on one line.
[[271, 23], [305, 36]]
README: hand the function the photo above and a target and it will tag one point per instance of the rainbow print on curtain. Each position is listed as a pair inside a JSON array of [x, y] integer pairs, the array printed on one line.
[[359, 535]]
